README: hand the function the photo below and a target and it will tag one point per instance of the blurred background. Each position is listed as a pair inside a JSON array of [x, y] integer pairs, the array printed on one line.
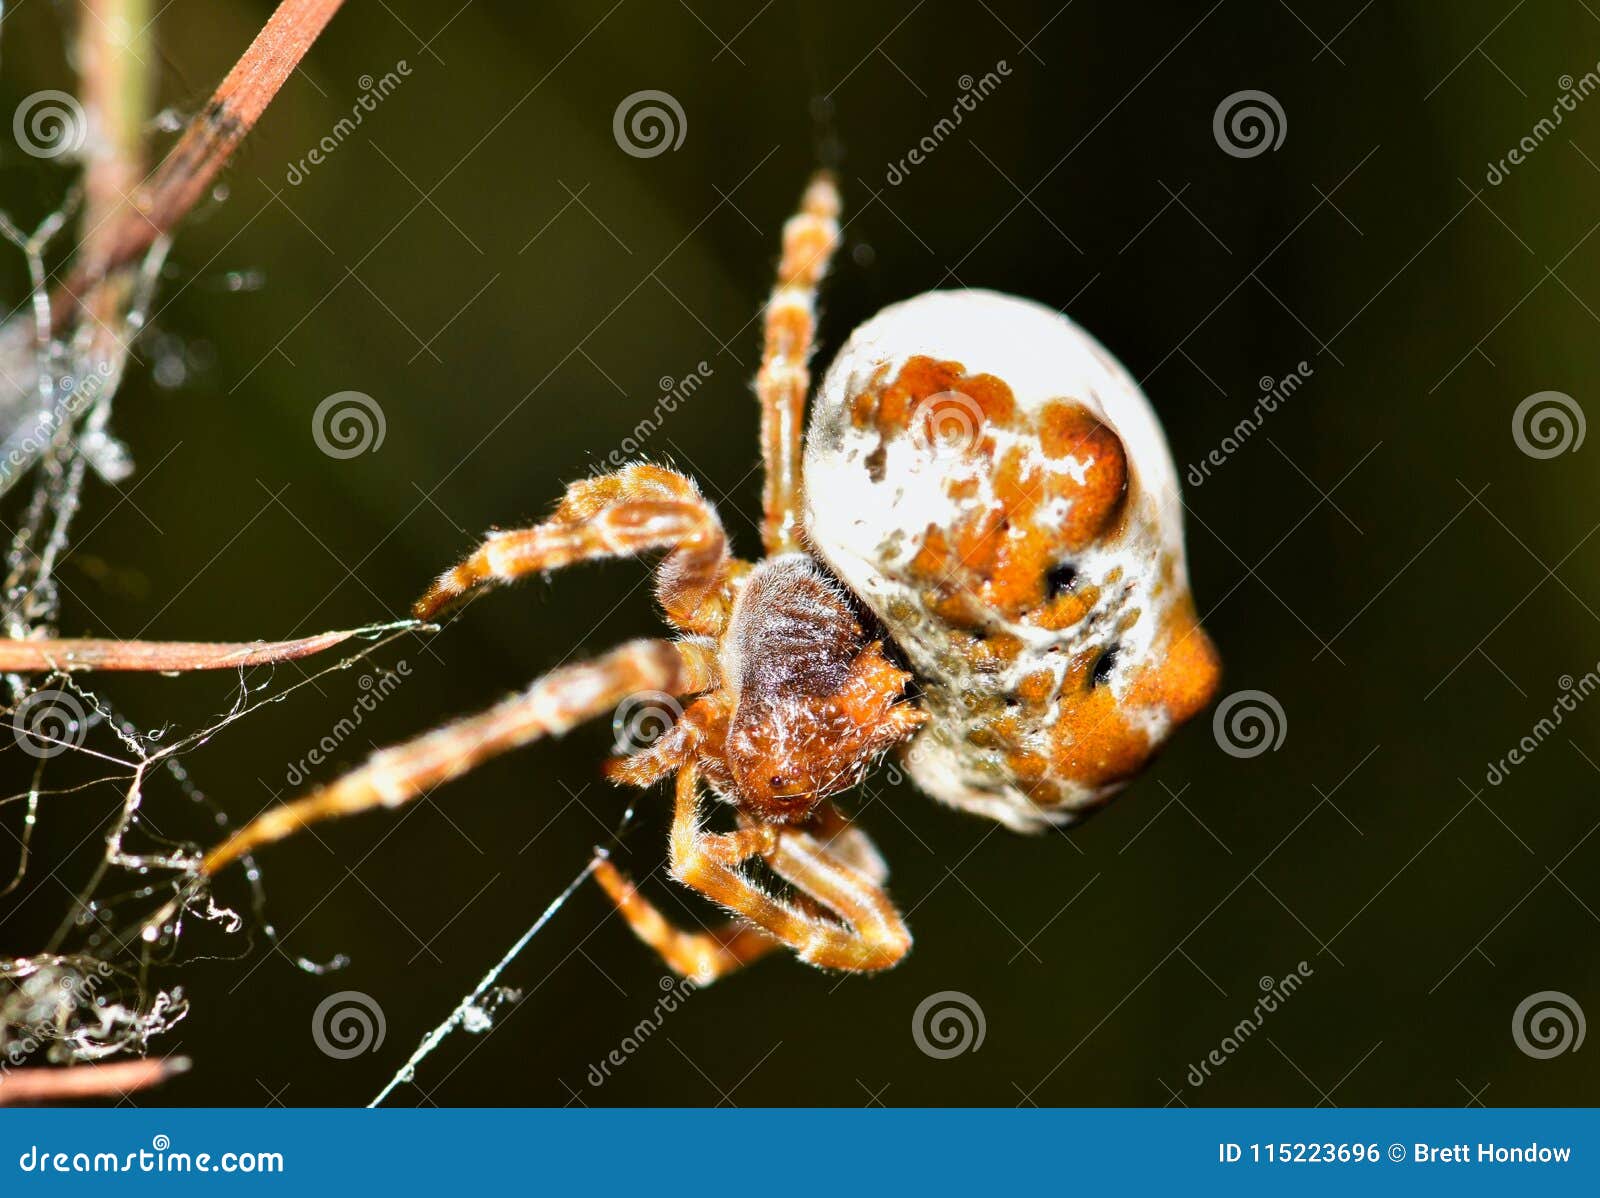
[[513, 285]]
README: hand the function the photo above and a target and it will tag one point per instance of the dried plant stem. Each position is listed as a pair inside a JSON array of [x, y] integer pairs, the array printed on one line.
[[69, 655], [115, 57], [155, 207], [86, 1081]]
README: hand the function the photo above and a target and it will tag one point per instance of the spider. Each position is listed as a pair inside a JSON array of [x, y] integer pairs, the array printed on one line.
[[976, 558]]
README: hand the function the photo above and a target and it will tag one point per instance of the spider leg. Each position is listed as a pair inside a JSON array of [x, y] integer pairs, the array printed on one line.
[[872, 935], [809, 240], [849, 843], [702, 957], [875, 936], [552, 705], [638, 509]]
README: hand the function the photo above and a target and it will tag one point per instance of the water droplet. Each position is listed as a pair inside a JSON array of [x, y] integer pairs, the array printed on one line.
[[245, 280]]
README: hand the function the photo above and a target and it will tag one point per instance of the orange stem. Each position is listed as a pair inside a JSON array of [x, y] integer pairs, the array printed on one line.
[[190, 167], [69, 655]]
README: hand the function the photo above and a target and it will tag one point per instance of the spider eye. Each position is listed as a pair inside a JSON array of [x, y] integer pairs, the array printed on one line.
[[1060, 579], [1104, 664]]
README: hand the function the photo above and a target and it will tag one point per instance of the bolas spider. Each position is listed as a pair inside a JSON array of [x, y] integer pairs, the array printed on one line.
[[977, 558]]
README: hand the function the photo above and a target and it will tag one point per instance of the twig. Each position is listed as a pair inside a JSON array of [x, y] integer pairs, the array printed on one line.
[[156, 206], [73, 654], [115, 51], [86, 1081]]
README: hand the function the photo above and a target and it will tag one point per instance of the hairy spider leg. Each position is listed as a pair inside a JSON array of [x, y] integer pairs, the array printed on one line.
[[810, 238], [837, 879], [702, 957], [638, 509], [552, 705]]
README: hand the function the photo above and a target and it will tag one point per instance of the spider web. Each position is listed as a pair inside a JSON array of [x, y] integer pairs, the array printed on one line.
[[106, 982], [95, 988], [91, 991]]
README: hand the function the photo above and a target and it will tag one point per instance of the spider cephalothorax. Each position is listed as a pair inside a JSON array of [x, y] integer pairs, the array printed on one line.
[[982, 483], [807, 701]]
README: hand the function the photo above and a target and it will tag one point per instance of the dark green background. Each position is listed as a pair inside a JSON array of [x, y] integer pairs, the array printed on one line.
[[1413, 626]]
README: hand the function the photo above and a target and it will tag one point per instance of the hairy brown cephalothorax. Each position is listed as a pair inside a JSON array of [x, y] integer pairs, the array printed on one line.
[[1019, 540], [809, 703]]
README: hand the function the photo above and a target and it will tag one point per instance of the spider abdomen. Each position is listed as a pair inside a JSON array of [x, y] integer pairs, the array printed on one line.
[[993, 484]]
